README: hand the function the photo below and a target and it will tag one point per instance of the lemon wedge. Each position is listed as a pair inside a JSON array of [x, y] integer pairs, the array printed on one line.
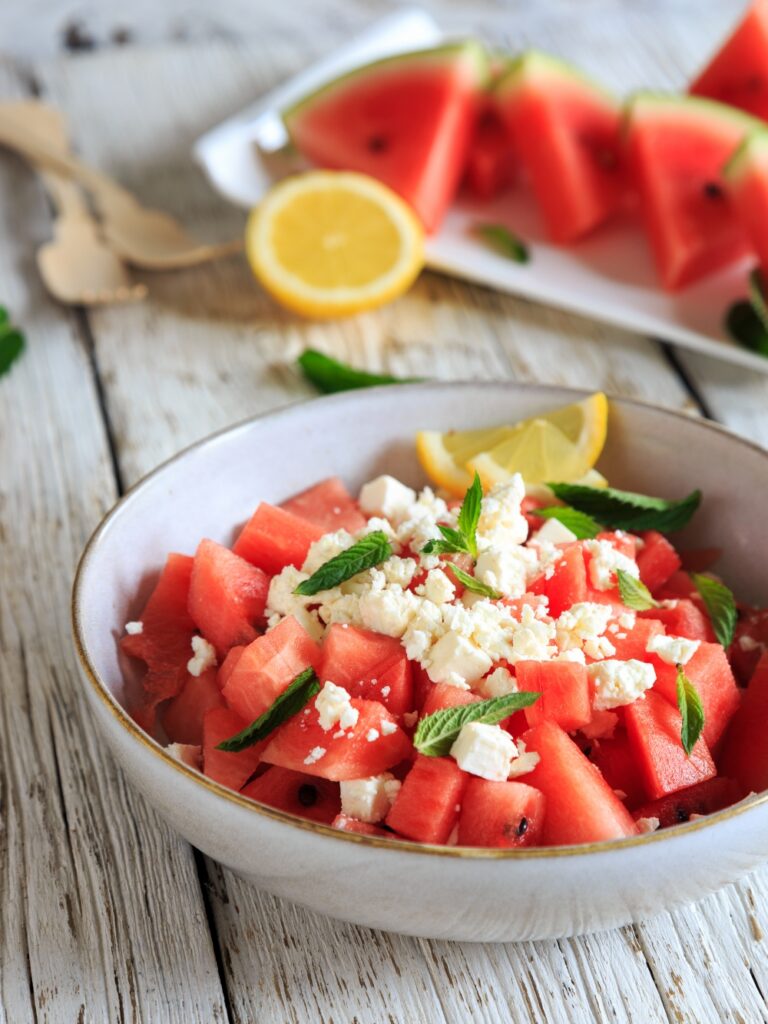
[[330, 243]]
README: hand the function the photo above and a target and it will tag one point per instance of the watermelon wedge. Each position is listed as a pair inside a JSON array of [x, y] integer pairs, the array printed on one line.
[[677, 148], [405, 120], [746, 175], [738, 72], [566, 133]]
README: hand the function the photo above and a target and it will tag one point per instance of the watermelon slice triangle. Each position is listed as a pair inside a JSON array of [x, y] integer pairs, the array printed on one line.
[[738, 72], [566, 132], [747, 177], [405, 120], [677, 149]]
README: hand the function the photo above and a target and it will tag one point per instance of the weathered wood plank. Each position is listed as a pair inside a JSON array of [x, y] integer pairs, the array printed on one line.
[[82, 859]]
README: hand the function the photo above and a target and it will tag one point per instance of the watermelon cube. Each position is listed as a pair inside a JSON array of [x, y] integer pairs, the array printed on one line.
[[633, 643], [368, 665], [328, 505], [374, 744], [616, 760], [427, 806], [683, 618], [227, 596], [745, 750], [656, 560], [184, 713], [267, 666], [750, 640], [565, 583], [737, 73], [227, 667], [273, 538], [703, 798], [565, 692], [678, 585], [230, 769], [443, 695], [306, 796], [502, 815], [653, 728], [580, 805]]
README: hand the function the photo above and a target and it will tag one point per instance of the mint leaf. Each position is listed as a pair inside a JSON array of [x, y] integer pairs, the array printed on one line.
[[11, 342], [634, 593], [290, 702], [475, 585], [329, 375], [626, 510], [464, 538], [691, 710], [436, 733], [757, 296], [745, 326], [580, 524], [370, 550], [720, 604], [452, 542], [500, 238]]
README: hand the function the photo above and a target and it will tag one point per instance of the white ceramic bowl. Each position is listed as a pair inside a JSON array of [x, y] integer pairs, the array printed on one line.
[[440, 892]]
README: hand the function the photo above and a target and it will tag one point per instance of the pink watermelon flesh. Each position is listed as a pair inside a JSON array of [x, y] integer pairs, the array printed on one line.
[[405, 120], [184, 714], [747, 177], [490, 167], [501, 815], [368, 665], [230, 769], [427, 805], [328, 505], [273, 538], [565, 131], [738, 72], [296, 793], [677, 150]]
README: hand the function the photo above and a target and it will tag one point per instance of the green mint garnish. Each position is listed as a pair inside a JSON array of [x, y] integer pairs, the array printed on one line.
[[329, 375], [634, 593], [464, 537], [720, 604], [626, 510], [582, 526], [691, 710], [747, 319], [11, 342], [364, 554], [290, 702], [473, 584], [436, 733], [504, 241]]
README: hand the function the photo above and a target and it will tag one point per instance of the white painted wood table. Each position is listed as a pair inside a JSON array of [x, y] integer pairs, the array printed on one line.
[[105, 915]]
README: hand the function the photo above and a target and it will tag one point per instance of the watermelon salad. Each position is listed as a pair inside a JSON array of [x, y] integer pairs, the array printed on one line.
[[427, 122], [503, 671]]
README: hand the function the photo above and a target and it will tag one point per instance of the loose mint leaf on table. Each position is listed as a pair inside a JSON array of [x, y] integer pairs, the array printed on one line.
[[473, 584], [464, 537], [626, 510], [11, 342], [436, 733], [329, 375], [504, 241], [290, 702], [720, 604], [692, 710], [634, 593], [583, 527], [364, 554]]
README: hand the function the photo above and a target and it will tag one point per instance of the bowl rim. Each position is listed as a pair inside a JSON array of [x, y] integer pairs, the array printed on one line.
[[113, 706]]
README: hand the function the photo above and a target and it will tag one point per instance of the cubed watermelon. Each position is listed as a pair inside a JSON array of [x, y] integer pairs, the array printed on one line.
[[703, 798], [633, 643], [581, 807], [227, 596], [502, 815], [750, 640], [443, 695], [625, 543], [427, 806], [267, 666], [230, 769], [273, 538], [745, 750], [684, 618], [678, 585], [616, 761], [227, 667], [564, 688], [368, 665], [656, 560], [564, 583], [328, 505], [373, 745], [184, 714], [296, 793], [653, 728]]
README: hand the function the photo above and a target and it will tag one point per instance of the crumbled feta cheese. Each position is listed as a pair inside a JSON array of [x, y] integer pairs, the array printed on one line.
[[498, 683], [428, 562], [572, 654], [746, 643], [388, 611], [334, 707], [502, 524], [369, 799], [203, 657], [598, 648], [187, 753], [437, 587], [605, 561], [525, 761], [134, 628], [377, 525], [372, 735], [582, 622], [419, 524], [385, 496], [484, 750], [399, 571], [385, 690], [554, 532], [620, 682], [506, 569], [674, 650], [645, 825], [387, 728], [326, 548], [315, 754], [627, 620], [456, 660]]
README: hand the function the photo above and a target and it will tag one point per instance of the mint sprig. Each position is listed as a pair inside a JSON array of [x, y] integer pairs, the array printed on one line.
[[582, 526], [12, 342], [464, 538], [720, 604], [330, 375], [634, 593], [290, 702], [747, 319], [500, 238], [436, 733], [691, 709], [627, 510], [474, 584], [372, 549]]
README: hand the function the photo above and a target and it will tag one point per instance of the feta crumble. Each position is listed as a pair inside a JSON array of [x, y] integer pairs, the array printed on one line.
[[203, 656], [645, 825], [605, 561], [674, 650], [746, 643], [372, 735], [620, 682], [502, 524], [385, 496], [554, 532], [525, 761], [334, 707], [456, 660], [134, 628], [484, 750], [369, 799], [387, 728], [187, 753], [314, 755], [498, 683]]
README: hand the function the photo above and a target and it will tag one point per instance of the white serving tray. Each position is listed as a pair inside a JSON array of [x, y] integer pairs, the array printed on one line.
[[608, 277]]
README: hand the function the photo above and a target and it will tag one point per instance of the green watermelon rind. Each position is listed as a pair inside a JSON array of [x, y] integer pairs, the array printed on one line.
[[470, 48], [753, 150], [694, 106], [537, 61]]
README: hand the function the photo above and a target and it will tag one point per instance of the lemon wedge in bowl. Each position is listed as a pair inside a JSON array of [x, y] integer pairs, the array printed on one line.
[[563, 444], [332, 243]]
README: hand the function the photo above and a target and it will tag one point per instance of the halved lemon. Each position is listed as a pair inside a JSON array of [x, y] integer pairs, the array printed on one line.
[[331, 243], [563, 444]]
